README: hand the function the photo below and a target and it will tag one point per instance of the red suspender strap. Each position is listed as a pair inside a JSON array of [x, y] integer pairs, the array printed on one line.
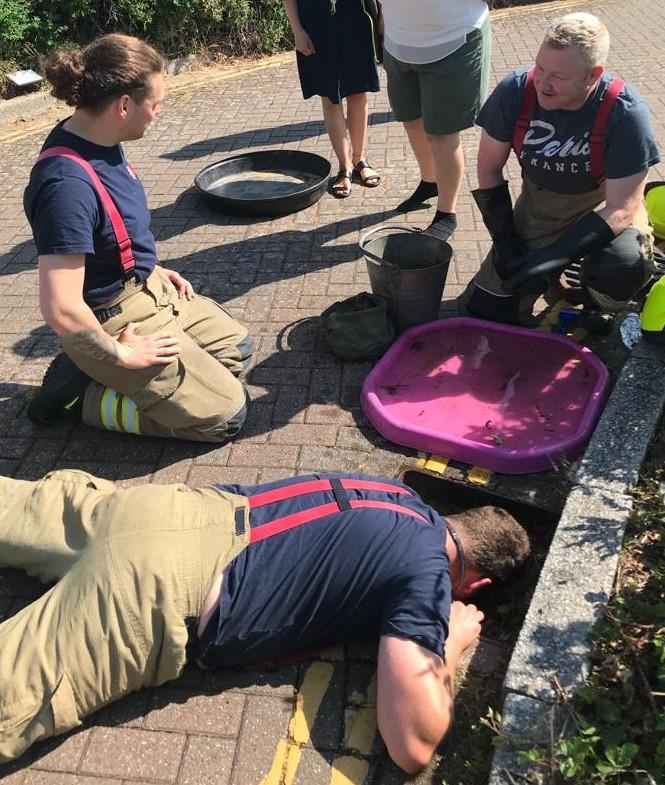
[[527, 109], [597, 138], [302, 517], [317, 486], [119, 229]]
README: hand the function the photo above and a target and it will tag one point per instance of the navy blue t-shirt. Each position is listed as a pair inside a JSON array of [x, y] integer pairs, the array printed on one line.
[[67, 216], [352, 575], [556, 153]]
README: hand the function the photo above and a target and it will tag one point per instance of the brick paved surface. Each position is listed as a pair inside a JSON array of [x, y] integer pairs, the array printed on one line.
[[243, 729]]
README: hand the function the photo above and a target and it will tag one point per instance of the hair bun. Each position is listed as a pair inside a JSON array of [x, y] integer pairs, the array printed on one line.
[[65, 70]]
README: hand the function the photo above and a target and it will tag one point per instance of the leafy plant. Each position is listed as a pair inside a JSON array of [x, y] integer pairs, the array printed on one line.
[[17, 19], [177, 27], [612, 731]]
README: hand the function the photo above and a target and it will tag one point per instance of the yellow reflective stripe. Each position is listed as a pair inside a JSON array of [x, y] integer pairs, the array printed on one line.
[[108, 410], [130, 416]]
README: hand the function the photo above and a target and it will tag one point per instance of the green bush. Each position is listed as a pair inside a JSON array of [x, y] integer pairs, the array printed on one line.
[[176, 27], [16, 21]]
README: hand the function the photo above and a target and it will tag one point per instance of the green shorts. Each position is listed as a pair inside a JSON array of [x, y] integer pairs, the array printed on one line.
[[448, 93]]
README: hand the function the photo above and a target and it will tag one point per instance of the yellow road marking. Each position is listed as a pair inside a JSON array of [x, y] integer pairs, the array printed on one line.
[[348, 771], [363, 730], [313, 688], [362, 725], [175, 90], [508, 13], [44, 126], [308, 700], [180, 88]]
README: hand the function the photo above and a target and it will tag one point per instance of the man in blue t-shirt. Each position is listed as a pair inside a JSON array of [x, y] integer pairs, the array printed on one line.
[[585, 143], [237, 575]]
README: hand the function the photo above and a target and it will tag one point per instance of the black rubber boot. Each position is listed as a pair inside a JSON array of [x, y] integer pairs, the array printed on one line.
[[62, 385]]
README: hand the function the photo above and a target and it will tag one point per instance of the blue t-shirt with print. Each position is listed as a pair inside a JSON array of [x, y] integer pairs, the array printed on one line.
[[556, 153], [67, 216], [352, 575]]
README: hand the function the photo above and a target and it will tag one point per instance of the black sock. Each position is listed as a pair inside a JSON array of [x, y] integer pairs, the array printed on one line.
[[443, 225], [425, 190]]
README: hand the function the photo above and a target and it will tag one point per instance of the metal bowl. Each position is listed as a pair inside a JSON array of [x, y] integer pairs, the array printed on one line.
[[268, 182]]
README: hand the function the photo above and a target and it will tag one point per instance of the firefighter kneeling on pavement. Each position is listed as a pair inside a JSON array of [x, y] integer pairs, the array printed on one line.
[[143, 353], [585, 143]]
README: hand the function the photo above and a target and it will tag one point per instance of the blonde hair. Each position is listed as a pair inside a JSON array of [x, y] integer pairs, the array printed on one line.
[[583, 31]]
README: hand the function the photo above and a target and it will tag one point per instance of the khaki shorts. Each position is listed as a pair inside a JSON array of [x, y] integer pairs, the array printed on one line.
[[448, 93]]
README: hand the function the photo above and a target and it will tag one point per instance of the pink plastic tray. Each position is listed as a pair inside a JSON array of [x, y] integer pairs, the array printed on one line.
[[504, 398]]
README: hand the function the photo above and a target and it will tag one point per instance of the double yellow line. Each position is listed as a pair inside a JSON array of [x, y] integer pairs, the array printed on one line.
[[524, 10], [180, 85], [360, 720]]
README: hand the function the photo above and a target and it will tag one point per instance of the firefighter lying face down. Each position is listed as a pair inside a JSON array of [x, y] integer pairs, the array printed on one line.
[[229, 576]]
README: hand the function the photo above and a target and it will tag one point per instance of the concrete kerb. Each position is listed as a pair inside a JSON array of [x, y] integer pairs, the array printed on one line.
[[29, 106], [25, 107], [183, 74], [577, 577]]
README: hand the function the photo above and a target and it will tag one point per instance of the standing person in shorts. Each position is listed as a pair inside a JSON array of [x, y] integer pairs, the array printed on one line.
[[143, 353], [436, 56], [337, 46]]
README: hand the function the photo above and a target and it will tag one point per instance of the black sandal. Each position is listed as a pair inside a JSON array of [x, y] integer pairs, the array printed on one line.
[[337, 187], [372, 180]]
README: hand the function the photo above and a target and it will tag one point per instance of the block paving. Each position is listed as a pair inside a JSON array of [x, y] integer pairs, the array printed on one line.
[[276, 276]]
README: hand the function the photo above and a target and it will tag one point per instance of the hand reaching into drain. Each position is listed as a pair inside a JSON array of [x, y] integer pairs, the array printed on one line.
[[463, 627]]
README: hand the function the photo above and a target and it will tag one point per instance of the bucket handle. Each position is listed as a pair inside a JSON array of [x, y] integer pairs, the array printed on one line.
[[383, 228]]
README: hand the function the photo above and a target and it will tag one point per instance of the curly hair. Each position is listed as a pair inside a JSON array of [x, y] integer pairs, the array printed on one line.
[[110, 66]]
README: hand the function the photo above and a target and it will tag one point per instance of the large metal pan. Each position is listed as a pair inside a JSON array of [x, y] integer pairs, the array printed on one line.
[[268, 182]]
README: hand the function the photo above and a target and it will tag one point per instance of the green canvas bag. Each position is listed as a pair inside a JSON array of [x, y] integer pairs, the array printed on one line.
[[358, 328]]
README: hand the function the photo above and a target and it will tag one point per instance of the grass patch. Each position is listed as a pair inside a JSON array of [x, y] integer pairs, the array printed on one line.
[[613, 729]]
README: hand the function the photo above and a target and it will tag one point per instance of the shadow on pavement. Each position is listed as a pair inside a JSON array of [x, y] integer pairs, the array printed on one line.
[[259, 137]]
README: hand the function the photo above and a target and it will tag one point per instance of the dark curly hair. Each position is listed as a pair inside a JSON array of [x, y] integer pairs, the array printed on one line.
[[110, 66]]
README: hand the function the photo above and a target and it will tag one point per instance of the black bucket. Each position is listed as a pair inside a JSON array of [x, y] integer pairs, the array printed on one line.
[[409, 269]]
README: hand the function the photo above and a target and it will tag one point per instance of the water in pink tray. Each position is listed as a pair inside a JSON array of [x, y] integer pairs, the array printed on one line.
[[508, 399]]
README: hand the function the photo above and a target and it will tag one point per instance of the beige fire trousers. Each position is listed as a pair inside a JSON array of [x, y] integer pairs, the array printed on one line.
[[198, 396], [132, 568]]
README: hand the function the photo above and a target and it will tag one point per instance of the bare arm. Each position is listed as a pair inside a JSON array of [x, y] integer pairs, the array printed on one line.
[[492, 157], [66, 312], [303, 42], [416, 690], [623, 197]]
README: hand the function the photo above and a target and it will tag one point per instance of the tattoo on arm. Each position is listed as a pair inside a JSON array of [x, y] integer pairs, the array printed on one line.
[[96, 344]]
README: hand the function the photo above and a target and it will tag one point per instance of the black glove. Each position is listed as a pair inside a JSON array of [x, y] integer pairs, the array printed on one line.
[[539, 269], [496, 208]]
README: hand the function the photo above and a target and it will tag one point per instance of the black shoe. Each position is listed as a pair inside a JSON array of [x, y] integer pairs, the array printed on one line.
[[62, 388]]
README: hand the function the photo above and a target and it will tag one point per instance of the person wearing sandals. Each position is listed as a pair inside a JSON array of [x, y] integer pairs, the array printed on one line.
[[337, 46]]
